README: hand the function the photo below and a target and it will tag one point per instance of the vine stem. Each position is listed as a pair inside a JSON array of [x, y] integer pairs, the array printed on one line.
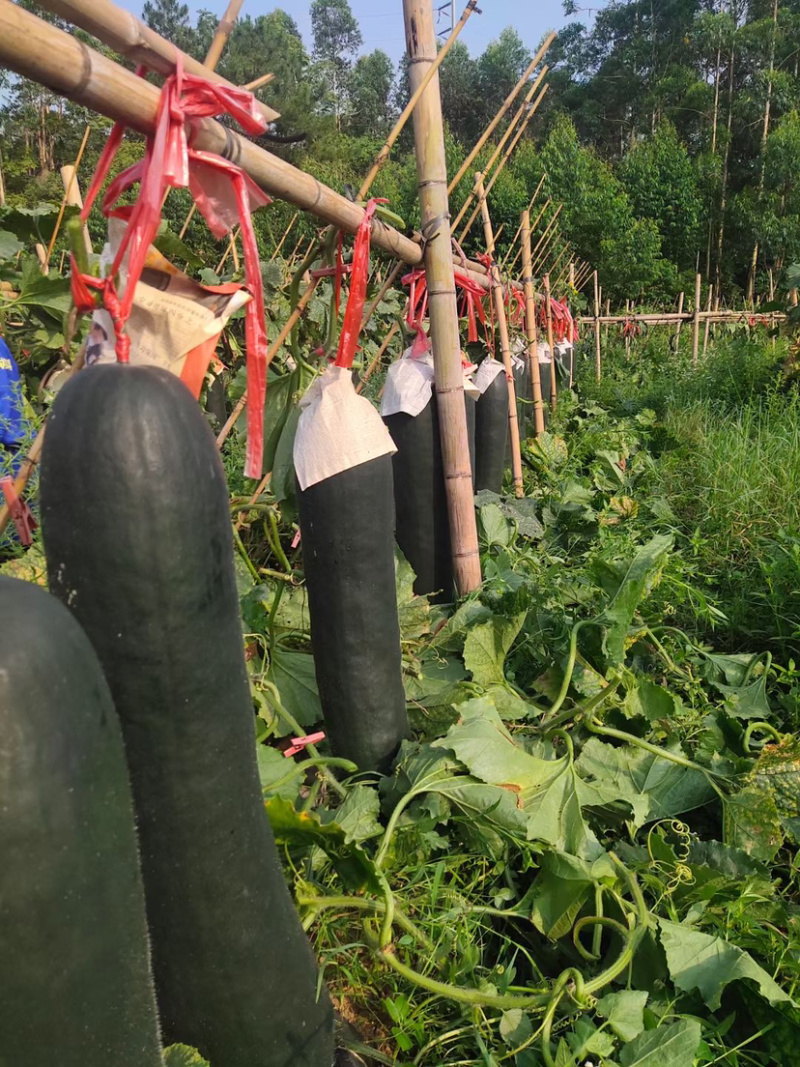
[[638, 742], [318, 904], [290, 720]]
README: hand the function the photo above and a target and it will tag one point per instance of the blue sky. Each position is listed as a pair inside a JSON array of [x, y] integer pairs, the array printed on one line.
[[381, 21]]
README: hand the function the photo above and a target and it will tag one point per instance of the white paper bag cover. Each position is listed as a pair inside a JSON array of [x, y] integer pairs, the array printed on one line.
[[337, 429]]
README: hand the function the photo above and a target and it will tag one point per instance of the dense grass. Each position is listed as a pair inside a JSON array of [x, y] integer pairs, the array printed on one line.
[[728, 448]]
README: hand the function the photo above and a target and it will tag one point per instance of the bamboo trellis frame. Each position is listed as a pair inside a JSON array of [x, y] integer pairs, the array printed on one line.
[[222, 33], [42, 52], [130, 37], [530, 324]]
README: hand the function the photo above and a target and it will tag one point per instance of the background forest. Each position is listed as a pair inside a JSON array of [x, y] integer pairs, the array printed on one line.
[[671, 131]]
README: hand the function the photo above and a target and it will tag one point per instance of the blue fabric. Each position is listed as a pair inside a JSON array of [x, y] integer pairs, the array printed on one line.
[[11, 422]]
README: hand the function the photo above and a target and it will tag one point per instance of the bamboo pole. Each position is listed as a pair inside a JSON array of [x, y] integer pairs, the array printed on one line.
[[512, 126], [223, 32], [696, 319], [627, 335], [377, 357], [508, 153], [257, 83], [443, 310], [516, 236], [564, 251], [597, 326], [509, 100], [680, 321], [550, 344], [541, 259], [67, 192], [272, 351], [131, 38], [708, 320], [72, 193], [286, 232], [505, 346], [533, 228], [547, 230], [40, 51], [408, 110], [530, 325]]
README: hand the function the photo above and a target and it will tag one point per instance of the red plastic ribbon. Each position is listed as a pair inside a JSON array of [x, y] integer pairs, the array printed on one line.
[[351, 327], [225, 196]]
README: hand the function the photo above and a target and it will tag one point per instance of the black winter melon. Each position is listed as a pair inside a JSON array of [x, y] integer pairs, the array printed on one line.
[[491, 435], [138, 538], [75, 982]]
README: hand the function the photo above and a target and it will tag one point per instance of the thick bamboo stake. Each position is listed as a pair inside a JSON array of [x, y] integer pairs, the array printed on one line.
[[550, 344], [680, 321], [533, 230], [509, 100], [223, 32], [272, 351], [286, 232], [443, 310], [505, 346], [708, 320], [513, 244], [376, 359], [519, 114], [40, 51], [508, 153], [129, 36], [530, 325], [597, 326], [259, 83], [627, 335], [67, 192], [398, 127], [696, 320], [72, 192]]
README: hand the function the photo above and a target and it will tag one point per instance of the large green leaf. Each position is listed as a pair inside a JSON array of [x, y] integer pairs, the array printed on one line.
[[673, 1045], [634, 582], [276, 411], [273, 767], [560, 889], [487, 646], [9, 245], [708, 963], [624, 1012], [293, 674], [358, 814], [655, 788]]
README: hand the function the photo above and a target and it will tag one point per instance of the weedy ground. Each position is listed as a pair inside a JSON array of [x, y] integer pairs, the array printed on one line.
[[587, 854]]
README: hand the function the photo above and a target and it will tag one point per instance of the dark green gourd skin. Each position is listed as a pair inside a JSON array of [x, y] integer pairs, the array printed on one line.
[[422, 522], [348, 559], [491, 435], [75, 983], [137, 531]]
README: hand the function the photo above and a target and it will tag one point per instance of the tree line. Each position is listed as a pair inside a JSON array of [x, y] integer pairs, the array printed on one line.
[[670, 133]]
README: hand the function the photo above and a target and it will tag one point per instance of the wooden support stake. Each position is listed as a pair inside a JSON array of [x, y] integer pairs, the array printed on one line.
[[72, 192], [550, 344], [708, 320], [627, 335], [680, 321], [257, 83], [286, 329], [530, 325], [422, 85], [533, 229], [286, 232], [513, 244], [509, 100], [597, 326], [696, 319], [223, 32], [376, 359], [519, 117], [505, 346], [443, 310], [67, 192]]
